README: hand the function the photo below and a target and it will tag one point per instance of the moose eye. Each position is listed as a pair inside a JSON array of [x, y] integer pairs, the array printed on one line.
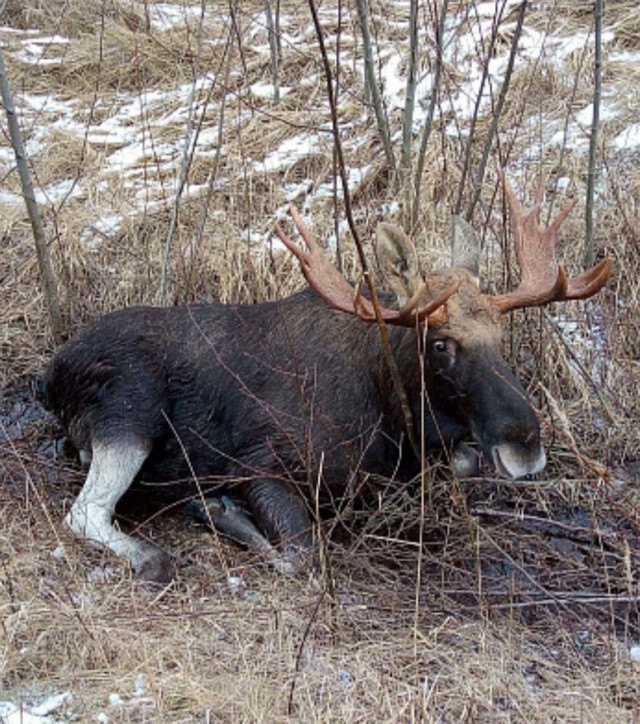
[[444, 349]]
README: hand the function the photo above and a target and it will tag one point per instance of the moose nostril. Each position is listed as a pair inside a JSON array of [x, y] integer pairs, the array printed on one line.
[[527, 437]]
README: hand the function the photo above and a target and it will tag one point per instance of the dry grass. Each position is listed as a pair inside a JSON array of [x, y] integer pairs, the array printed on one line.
[[523, 602], [510, 620]]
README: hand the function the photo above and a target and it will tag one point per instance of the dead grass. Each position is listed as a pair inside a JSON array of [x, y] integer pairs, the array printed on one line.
[[73, 17], [526, 601], [487, 639]]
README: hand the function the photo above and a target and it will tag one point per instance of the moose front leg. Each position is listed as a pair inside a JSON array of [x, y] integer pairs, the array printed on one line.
[[232, 521], [281, 534], [465, 461], [114, 466], [282, 515]]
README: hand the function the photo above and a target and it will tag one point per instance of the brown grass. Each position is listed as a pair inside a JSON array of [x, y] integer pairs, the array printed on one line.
[[523, 602]]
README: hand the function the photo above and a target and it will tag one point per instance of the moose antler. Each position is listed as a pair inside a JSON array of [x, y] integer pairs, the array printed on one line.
[[325, 278], [544, 280]]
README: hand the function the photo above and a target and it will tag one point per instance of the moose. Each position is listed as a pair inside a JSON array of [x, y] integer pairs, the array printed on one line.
[[252, 410]]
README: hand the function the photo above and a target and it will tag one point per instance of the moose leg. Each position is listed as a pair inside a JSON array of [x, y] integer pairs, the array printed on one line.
[[282, 515], [465, 461], [113, 469], [232, 521]]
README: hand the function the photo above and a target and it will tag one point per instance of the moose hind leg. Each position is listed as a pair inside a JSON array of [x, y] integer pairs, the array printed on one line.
[[113, 468]]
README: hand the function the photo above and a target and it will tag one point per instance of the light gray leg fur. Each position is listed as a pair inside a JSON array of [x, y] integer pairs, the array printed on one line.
[[113, 469]]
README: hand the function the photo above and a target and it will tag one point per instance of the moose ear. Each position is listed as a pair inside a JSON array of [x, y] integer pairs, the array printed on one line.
[[398, 261], [465, 246]]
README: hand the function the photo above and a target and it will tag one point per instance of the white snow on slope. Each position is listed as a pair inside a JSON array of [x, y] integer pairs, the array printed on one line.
[[131, 126]]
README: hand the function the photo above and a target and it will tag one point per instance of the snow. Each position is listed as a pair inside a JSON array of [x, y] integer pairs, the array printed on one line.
[[59, 552], [52, 703], [11, 713], [139, 685], [588, 343], [607, 113], [628, 138], [35, 49], [167, 16], [290, 151], [92, 237], [115, 700], [266, 90], [142, 136]]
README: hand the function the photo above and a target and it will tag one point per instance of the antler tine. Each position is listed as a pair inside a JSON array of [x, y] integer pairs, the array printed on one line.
[[434, 310], [544, 280], [324, 277], [318, 270]]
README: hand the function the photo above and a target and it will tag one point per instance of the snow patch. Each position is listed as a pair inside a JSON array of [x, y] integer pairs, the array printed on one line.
[[23, 713], [290, 151], [267, 91], [167, 16], [628, 138]]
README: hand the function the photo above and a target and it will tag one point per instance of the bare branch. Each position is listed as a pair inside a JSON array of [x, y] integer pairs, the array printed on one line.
[[49, 287], [589, 254], [428, 124], [495, 118], [370, 78]]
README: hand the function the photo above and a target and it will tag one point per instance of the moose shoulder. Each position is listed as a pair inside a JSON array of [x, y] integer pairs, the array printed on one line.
[[261, 402]]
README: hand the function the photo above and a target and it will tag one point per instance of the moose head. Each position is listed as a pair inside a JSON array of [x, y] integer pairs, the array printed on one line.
[[462, 325]]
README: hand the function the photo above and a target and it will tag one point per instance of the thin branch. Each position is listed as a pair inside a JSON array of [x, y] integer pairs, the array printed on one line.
[[334, 160], [213, 176], [593, 141], [48, 280], [372, 85], [273, 49], [488, 54], [428, 124], [495, 118], [192, 131], [410, 92]]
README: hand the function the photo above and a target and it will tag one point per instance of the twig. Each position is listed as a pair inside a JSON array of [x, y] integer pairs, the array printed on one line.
[[565, 130], [488, 54], [303, 641], [273, 49], [190, 140], [495, 117], [561, 598], [410, 92], [589, 255], [370, 79], [334, 159], [546, 525], [600, 394], [428, 123], [49, 286], [213, 176]]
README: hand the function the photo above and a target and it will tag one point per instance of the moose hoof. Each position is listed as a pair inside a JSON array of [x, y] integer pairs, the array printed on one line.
[[465, 461], [155, 567], [294, 559]]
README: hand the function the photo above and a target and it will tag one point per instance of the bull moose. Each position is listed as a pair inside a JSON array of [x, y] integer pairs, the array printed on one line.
[[269, 401]]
